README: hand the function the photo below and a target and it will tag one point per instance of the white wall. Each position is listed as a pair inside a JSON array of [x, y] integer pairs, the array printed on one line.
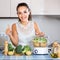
[[47, 24], [5, 22], [50, 26]]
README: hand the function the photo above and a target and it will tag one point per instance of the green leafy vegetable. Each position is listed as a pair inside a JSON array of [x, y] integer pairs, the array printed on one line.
[[43, 39], [36, 39], [40, 39], [18, 49], [26, 48], [10, 48]]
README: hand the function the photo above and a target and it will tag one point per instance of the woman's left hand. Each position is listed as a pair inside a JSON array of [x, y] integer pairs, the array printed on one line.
[[41, 34]]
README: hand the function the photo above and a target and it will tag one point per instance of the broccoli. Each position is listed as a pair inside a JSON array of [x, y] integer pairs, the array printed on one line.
[[10, 48], [36, 39], [25, 49], [18, 49], [40, 39], [43, 39]]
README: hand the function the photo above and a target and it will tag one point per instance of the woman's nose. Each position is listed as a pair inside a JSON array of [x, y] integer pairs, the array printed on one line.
[[22, 14]]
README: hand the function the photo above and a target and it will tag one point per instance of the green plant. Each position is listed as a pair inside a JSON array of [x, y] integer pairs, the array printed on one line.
[[18, 49], [40, 39], [26, 48], [10, 48]]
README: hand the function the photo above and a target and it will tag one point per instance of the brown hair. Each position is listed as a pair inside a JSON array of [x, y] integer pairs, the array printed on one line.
[[24, 4]]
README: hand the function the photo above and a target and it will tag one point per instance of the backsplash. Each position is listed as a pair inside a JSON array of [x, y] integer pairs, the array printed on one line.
[[3, 37], [48, 25]]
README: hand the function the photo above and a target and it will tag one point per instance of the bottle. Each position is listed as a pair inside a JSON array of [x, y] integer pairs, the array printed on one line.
[[5, 47], [55, 47], [55, 50], [58, 51]]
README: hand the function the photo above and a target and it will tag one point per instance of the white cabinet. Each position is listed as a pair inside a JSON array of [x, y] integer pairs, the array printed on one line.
[[14, 4], [4, 8], [52, 7], [36, 6]]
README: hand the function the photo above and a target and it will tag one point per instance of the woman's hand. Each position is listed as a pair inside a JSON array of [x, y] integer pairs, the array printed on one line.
[[37, 30], [41, 34], [8, 31], [12, 33]]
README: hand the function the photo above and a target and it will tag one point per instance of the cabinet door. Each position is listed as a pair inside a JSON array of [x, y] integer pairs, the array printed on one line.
[[14, 4], [4, 8], [52, 7], [37, 7]]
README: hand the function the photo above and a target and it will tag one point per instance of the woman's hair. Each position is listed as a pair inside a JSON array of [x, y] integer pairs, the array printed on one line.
[[24, 4]]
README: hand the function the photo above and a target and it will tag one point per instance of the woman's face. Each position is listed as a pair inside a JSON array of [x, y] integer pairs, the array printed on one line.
[[23, 13]]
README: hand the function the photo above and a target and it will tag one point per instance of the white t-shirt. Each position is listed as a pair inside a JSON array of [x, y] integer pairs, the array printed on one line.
[[25, 33]]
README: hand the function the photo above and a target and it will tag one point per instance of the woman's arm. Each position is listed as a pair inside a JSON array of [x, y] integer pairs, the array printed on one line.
[[37, 31], [13, 34]]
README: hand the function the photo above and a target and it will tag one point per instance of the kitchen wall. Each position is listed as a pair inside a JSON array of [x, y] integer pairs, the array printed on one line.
[[47, 24]]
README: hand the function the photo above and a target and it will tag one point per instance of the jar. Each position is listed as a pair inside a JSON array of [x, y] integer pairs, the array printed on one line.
[[58, 52], [55, 47], [55, 50]]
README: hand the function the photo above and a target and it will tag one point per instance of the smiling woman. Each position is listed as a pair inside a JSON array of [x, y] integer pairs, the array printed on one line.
[[23, 10], [25, 29]]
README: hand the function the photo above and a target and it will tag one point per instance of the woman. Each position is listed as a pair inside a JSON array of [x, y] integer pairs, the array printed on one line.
[[24, 30]]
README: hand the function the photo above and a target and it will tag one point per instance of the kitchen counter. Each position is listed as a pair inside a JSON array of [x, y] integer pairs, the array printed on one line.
[[24, 57]]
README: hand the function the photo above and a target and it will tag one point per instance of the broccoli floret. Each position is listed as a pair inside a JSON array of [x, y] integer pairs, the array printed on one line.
[[36, 39], [40, 39], [18, 49], [10, 48], [43, 39], [26, 48]]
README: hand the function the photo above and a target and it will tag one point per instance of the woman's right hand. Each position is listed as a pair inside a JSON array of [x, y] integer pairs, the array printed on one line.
[[8, 31]]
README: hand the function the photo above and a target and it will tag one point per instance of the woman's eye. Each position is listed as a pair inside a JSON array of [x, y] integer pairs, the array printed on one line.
[[22, 12], [25, 12]]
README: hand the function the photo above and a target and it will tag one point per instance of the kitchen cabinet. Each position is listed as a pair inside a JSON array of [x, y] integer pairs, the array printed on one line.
[[52, 7], [14, 4], [4, 8], [36, 6]]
